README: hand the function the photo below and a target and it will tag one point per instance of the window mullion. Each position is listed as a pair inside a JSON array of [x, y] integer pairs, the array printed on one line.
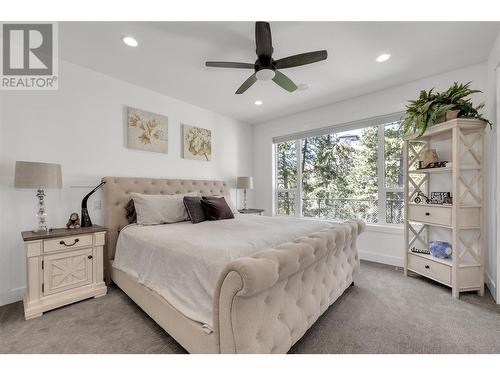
[[298, 195], [381, 174], [275, 205]]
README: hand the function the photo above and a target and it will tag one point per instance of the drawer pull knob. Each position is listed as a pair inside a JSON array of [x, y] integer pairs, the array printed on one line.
[[427, 214], [90, 257], [427, 266], [72, 244]]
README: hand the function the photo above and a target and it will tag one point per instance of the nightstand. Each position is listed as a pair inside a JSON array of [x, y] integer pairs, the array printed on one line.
[[63, 266], [252, 211]]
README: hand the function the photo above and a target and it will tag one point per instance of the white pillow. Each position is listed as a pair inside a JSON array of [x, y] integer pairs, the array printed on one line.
[[160, 209]]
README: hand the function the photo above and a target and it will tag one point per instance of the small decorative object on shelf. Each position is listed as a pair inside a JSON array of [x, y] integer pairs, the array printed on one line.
[[86, 222], [448, 200], [73, 221], [430, 160], [429, 157], [421, 198], [440, 249], [437, 164], [420, 251], [438, 197]]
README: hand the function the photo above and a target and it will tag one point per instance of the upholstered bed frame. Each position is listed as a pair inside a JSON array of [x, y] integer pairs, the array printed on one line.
[[263, 303]]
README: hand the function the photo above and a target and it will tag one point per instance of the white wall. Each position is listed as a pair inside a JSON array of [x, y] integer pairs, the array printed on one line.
[[492, 182], [378, 244], [82, 126]]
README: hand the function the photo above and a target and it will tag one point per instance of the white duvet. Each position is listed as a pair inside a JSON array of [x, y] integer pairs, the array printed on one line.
[[183, 261]]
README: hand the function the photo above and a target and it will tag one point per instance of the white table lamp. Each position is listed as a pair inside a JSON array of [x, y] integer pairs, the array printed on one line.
[[244, 183], [34, 175]]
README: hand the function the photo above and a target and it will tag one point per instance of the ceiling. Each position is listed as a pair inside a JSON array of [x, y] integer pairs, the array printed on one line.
[[170, 58]]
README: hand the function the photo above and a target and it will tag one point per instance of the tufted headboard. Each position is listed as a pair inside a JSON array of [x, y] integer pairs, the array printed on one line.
[[117, 194]]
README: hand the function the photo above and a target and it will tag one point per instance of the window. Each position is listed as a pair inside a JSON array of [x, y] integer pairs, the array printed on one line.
[[286, 177], [393, 173], [355, 173]]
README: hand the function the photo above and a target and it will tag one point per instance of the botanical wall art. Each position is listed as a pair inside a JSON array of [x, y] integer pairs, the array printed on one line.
[[197, 143], [147, 131]]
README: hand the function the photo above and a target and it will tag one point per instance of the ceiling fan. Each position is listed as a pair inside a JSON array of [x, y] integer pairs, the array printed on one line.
[[266, 68]]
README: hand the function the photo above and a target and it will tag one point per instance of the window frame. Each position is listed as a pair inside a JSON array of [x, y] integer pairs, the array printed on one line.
[[298, 186], [382, 189]]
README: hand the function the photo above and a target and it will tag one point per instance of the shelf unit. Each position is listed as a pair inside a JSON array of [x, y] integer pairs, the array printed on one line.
[[462, 222]]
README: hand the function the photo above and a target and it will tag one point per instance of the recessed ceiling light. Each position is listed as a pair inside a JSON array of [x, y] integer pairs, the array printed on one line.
[[129, 41], [383, 57], [258, 102]]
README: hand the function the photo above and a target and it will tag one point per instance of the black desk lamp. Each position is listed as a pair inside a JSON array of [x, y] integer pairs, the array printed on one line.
[[86, 222]]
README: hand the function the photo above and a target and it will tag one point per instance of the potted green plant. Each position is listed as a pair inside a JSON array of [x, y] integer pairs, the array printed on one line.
[[434, 107]]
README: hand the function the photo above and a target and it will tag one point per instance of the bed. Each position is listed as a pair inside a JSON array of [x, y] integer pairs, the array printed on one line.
[[249, 285]]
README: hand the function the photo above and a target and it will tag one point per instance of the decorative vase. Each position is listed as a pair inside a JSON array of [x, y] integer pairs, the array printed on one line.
[[450, 114], [440, 249]]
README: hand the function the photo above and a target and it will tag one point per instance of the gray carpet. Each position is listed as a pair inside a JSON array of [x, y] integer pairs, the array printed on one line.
[[384, 312]]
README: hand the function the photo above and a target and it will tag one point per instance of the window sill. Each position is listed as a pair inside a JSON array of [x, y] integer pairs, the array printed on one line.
[[370, 227], [385, 228]]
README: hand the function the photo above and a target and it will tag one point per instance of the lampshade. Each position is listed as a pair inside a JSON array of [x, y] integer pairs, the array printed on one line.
[[244, 182], [36, 175]]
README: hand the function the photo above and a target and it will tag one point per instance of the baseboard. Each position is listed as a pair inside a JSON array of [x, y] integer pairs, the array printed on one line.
[[381, 258], [12, 296], [491, 286]]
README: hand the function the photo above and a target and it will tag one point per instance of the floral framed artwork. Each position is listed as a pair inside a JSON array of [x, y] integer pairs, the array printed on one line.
[[197, 143], [147, 131]]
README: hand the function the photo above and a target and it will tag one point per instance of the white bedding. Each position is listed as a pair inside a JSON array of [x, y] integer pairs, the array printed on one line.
[[183, 261]]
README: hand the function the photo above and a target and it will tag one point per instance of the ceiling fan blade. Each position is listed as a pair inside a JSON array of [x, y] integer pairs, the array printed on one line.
[[246, 85], [301, 59], [228, 64], [285, 82], [263, 41]]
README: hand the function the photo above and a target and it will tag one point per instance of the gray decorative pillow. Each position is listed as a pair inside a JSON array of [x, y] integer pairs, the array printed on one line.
[[130, 212], [216, 208], [194, 209], [229, 202]]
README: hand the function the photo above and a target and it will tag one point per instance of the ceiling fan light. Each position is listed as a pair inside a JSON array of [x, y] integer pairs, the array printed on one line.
[[265, 74]]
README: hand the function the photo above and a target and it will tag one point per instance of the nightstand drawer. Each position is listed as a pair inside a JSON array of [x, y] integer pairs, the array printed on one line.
[[440, 215], [429, 268], [67, 243]]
